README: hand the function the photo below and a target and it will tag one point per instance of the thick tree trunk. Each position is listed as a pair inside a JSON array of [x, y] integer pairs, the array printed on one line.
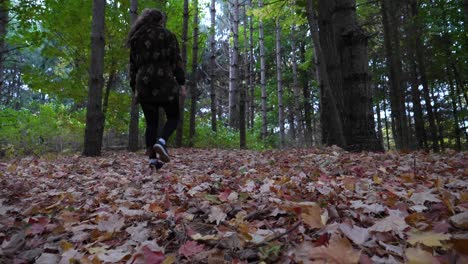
[[397, 92], [213, 66], [180, 128], [234, 69], [359, 123], [133, 131], [330, 117], [194, 81], [263, 74], [4, 7], [279, 80], [94, 117]]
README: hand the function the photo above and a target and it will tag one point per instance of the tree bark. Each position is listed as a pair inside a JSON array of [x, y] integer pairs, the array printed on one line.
[[330, 117], [279, 83], [4, 8], [244, 88], [421, 64], [251, 69], [456, 126], [263, 74], [213, 66], [133, 130], [308, 109], [297, 105], [397, 93], [194, 82], [234, 69], [94, 117], [180, 128]]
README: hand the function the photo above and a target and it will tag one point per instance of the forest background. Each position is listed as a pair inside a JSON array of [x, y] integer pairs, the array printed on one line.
[[363, 75]]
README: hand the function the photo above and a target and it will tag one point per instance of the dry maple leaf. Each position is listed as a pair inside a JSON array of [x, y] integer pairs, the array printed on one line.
[[338, 251], [217, 215], [190, 248], [419, 256], [429, 239], [357, 234]]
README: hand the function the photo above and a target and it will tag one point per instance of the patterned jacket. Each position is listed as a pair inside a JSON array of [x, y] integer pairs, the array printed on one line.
[[156, 68]]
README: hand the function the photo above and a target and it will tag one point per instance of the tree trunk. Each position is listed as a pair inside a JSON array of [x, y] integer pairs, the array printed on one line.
[[4, 8], [279, 83], [379, 124], [330, 117], [110, 84], [213, 66], [308, 109], [417, 108], [244, 88], [456, 126], [94, 117], [194, 82], [180, 128], [297, 100], [397, 93], [234, 69], [465, 12], [359, 123], [251, 69], [263, 74], [133, 131], [419, 51]]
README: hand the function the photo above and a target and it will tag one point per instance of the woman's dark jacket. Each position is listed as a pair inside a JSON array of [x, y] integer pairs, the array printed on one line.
[[156, 68]]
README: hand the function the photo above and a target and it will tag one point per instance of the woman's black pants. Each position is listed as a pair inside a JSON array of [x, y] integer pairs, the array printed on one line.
[[151, 112]]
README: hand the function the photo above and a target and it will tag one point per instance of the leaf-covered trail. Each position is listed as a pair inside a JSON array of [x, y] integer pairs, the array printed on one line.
[[216, 206]]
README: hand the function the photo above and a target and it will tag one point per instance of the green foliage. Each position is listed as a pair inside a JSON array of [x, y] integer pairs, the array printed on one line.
[[49, 128], [225, 137]]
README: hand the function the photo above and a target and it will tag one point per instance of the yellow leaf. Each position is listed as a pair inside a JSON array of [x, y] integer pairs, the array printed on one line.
[[169, 259], [377, 180], [199, 236], [65, 245], [349, 184], [464, 197], [418, 256], [429, 239]]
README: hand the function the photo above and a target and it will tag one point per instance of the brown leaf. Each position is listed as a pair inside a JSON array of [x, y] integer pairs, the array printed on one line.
[[418, 256], [339, 251]]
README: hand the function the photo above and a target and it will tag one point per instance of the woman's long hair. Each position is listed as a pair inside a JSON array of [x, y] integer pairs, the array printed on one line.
[[149, 17]]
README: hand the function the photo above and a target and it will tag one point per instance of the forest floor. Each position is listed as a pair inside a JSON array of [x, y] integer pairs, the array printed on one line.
[[235, 206]]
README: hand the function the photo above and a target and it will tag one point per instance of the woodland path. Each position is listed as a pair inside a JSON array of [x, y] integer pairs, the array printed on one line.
[[210, 206]]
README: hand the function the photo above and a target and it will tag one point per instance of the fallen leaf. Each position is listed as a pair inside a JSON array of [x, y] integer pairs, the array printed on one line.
[[152, 257], [339, 251], [113, 256], [429, 239], [190, 248], [357, 234], [460, 220], [418, 256], [217, 215]]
